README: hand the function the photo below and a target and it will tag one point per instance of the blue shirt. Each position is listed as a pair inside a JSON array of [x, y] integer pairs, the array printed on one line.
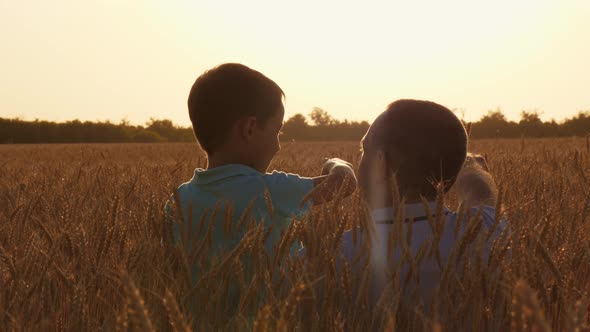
[[222, 195]]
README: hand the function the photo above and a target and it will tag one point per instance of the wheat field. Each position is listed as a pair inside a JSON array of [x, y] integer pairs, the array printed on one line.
[[83, 246]]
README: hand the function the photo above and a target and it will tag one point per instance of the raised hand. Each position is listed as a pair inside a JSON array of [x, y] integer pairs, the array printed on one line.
[[331, 163], [476, 160]]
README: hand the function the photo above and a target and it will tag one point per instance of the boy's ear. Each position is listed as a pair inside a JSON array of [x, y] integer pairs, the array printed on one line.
[[247, 127]]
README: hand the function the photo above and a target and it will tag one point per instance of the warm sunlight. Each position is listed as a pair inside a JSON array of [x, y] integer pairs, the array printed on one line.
[[465, 206], [135, 60]]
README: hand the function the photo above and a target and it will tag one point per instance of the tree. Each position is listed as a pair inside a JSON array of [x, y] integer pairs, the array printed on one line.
[[295, 127], [164, 128], [579, 125], [320, 117], [494, 116], [530, 124], [297, 120], [148, 136], [493, 124]]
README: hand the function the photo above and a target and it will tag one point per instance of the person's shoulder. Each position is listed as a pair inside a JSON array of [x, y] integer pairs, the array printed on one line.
[[287, 182], [185, 185], [488, 214], [184, 190], [486, 211], [192, 189], [288, 191], [489, 217], [281, 175]]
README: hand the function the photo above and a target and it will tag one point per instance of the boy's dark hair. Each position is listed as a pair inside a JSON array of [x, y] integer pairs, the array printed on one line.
[[424, 143], [224, 94]]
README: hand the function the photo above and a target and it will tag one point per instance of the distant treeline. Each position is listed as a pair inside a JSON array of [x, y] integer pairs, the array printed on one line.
[[19, 131], [323, 127], [495, 125]]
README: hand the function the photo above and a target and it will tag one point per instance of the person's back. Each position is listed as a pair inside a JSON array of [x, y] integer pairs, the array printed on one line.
[[414, 152], [419, 272], [237, 114], [241, 193]]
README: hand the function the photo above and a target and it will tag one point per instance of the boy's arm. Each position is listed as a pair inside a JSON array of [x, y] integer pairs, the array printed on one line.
[[475, 185], [337, 179]]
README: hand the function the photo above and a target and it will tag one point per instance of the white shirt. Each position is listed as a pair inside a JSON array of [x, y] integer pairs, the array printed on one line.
[[427, 277]]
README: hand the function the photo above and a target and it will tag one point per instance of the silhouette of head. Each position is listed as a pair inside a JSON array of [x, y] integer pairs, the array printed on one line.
[[231, 101], [420, 142]]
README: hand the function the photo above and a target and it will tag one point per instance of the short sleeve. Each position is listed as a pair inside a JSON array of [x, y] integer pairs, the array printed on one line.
[[287, 192]]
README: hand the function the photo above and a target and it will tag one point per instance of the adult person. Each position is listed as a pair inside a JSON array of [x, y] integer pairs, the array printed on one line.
[[412, 155]]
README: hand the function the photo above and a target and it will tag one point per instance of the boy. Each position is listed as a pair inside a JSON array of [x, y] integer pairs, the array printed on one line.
[[237, 114]]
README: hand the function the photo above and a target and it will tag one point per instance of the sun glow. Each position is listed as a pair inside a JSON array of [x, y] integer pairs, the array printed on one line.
[[137, 59]]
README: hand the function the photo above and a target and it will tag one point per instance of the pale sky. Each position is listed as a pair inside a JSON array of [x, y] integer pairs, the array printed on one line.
[[135, 59]]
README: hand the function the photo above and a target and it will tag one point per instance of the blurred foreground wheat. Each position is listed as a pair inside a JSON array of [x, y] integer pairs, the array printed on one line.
[[82, 247]]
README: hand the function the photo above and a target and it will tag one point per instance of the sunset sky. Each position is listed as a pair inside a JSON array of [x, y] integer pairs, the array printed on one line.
[[137, 59]]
